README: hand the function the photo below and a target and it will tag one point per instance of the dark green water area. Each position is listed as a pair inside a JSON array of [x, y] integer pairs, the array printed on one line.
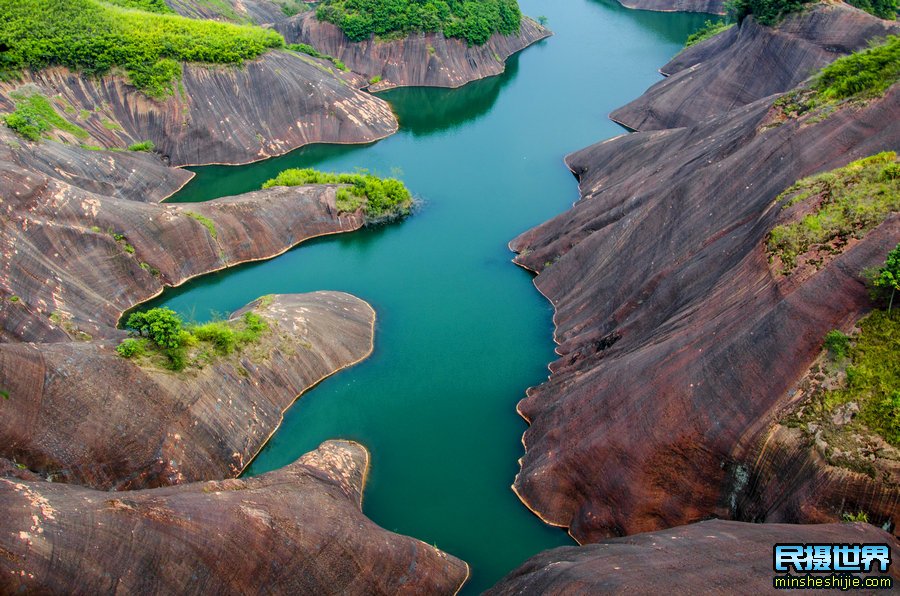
[[461, 331]]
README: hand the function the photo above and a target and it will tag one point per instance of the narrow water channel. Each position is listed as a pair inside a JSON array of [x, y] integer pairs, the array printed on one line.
[[461, 332]]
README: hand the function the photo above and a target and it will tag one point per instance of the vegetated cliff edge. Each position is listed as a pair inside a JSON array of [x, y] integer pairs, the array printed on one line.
[[713, 557], [749, 62], [144, 426], [297, 530], [221, 114], [675, 360], [425, 59]]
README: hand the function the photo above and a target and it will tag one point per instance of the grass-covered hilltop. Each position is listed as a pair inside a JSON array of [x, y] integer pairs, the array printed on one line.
[[141, 37], [472, 20]]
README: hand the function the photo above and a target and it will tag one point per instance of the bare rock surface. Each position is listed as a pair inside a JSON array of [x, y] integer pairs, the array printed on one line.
[[81, 413], [678, 344], [220, 114], [712, 557], [708, 6], [749, 62], [298, 530], [426, 59], [73, 260], [239, 11]]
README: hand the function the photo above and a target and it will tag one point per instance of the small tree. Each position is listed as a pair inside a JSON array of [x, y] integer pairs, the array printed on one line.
[[161, 325], [888, 276]]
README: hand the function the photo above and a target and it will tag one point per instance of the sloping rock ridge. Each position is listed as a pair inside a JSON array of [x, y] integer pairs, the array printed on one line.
[[144, 426], [710, 557], [220, 114], [749, 62], [298, 530], [73, 260], [426, 59], [675, 360]]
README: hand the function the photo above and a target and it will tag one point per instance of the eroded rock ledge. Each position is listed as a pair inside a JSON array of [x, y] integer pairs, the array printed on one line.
[[749, 62], [221, 114], [675, 360], [65, 272], [80, 413], [298, 530], [712, 557], [427, 59]]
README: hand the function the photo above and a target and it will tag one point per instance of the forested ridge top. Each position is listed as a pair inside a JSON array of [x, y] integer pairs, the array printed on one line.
[[139, 36], [472, 20]]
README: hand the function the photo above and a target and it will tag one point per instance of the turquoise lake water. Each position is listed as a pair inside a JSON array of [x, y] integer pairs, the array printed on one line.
[[461, 331]]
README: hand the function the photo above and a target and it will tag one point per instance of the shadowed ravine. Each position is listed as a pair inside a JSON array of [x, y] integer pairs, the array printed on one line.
[[461, 332]]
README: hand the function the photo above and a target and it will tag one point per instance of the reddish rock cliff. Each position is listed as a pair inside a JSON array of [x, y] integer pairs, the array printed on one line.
[[750, 62], [675, 359], [710, 557], [142, 426], [298, 530], [225, 114], [427, 59]]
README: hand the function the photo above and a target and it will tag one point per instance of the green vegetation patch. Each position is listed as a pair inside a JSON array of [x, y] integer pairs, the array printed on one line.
[[147, 146], [709, 29], [311, 51], [771, 12], [873, 375], [158, 6], [93, 36], [35, 117], [849, 202], [472, 20], [381, 197], [209, 224], [160, 335]]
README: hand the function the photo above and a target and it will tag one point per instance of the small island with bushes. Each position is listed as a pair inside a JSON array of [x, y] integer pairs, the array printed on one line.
[[378, 198]]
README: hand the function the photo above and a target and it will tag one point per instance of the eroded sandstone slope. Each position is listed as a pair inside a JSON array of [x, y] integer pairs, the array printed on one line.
[[298, 530], [678, 344], [80, 413], [710, 557], [749, 62], [427, 59], [220, 114]]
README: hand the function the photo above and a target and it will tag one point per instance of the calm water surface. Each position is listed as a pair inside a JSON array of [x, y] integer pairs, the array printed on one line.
[[461, 332]]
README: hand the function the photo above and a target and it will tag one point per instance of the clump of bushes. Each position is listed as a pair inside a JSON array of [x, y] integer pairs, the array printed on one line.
[[162, 331], [709, 29], [771, 12], [472, 20], [307, 49], [147, 146], [93, 36], [850, 201], [35, 116], [837, 343], [381, 197]]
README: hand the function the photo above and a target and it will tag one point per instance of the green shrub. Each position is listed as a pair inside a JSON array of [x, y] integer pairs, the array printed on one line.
[[837, 343], [375, 80], [850, 201], [159, 6], [147, 146], [162, 325], [93, 36], [867, 73], [873, 378], [311, 51], [709, 29], [130, 347], [472, 20], [209, 224], [771, 12], [35, 115], [859, 516], [382, 197], [887, 278]]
